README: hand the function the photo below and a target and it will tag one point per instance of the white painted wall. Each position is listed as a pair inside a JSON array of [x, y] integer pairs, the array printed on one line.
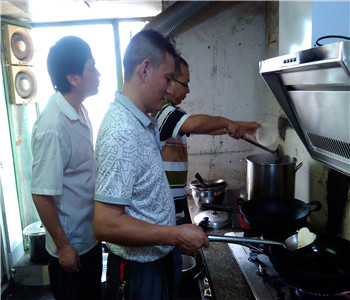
[[223, 50]]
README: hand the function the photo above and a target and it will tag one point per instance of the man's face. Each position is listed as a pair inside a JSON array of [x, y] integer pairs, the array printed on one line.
[[179, 87], [89, 80], [160, 84]]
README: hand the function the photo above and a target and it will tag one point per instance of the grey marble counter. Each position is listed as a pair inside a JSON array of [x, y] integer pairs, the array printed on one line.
[[226, 277]]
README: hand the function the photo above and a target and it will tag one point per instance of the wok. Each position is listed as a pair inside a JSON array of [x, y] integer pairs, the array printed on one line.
[[273, 216], [323, 268]]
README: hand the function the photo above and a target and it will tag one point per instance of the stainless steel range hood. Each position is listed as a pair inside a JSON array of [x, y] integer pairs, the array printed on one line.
[[313, 89]]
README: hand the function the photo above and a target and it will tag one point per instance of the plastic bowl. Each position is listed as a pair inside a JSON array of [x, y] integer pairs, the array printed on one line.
[[267, 135]]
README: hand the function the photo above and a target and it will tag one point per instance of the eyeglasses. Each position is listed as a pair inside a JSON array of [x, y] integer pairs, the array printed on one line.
[[187, 86]]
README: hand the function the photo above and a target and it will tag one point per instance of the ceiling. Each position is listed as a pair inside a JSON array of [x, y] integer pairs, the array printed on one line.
[[43, 11]]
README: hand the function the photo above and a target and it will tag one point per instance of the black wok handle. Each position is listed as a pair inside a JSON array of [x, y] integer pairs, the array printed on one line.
[[218, 207], [317, 205]]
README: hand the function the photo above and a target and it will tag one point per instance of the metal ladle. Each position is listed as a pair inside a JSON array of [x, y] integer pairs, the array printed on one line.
[[240, 240], [291, 243], [200, 180], [278, 153]]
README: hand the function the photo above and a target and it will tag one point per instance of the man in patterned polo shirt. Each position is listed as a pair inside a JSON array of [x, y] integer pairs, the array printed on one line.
[[134, 209]]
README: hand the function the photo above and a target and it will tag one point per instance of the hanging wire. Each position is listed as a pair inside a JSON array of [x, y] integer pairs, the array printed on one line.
[[330, 37]]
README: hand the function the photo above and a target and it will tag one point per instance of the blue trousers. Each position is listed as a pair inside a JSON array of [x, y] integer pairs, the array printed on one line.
[[152, 280]]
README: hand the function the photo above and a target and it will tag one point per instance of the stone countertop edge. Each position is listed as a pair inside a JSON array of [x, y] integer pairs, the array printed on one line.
[[225, 275]]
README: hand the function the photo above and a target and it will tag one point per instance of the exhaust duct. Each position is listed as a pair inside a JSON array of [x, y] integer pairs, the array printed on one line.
[[176, 15]]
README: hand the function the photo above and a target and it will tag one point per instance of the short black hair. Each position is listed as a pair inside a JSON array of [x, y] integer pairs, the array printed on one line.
[[178, 61], [147, 44], [67, 56]]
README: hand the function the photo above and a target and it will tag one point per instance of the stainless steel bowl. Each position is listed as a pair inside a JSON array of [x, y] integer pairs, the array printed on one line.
[[188, 263], [213, 194]]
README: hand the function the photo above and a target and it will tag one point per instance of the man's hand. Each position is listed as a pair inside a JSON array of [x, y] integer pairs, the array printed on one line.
[[238, 129], [68, 258], [190, 238]]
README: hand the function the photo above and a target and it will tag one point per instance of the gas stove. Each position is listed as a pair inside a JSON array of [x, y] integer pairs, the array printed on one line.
[[263, 280]]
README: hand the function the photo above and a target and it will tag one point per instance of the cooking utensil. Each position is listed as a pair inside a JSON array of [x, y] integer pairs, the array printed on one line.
[[188, 263], [272, 216], [267, 134], [240, 240], [200, 180], [323, 268], [275, 216], [209, 182], [37, 235], [214, 192], [278, 153], [216, 219], [189, 271], [267, 178], [290, 243]]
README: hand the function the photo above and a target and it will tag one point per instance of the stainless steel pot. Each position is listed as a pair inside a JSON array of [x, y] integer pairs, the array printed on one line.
[[189, 271], [213, 194], [268, 178], [36, 234]]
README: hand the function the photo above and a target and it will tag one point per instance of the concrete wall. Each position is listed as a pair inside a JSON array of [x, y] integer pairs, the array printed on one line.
[[223, 48]]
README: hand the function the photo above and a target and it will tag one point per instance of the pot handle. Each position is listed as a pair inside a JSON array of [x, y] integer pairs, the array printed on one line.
[[203, 223], [200, 274], [317, 205], [298, 167]]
